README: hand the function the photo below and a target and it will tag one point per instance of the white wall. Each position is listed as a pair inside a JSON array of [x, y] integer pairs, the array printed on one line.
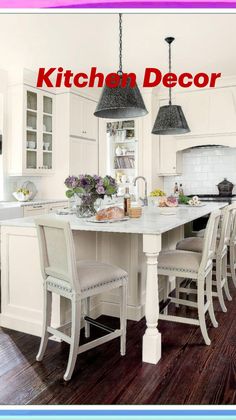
[[203, 168]]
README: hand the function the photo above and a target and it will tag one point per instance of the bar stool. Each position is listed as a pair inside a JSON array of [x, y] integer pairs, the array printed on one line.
[[75, 280], [196, 244], [194, 266]]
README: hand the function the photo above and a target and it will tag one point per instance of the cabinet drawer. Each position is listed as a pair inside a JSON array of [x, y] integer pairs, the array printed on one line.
[[52, 208], [35, 210]]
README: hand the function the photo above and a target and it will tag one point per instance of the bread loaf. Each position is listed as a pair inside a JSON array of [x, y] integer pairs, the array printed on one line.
[[110, 213]]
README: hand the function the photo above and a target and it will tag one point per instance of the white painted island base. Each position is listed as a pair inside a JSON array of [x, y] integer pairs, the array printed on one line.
[[133, 245]]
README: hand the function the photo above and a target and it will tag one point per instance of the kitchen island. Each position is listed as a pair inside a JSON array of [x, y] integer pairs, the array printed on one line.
[[133, 245]]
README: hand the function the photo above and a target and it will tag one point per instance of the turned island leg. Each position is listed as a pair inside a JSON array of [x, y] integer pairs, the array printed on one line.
[[152, 337]]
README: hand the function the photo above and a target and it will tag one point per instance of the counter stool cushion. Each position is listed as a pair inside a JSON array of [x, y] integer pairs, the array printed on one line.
[[201, 233], [194, 244], [92, 274], [178, 260], [95, 274]]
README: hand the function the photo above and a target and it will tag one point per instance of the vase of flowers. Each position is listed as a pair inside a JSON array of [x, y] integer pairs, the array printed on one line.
[[89, 190]]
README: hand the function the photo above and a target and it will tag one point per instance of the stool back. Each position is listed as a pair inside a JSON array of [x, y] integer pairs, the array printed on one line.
[[57, 251], [228, 215], [232, 229], [209, 244]]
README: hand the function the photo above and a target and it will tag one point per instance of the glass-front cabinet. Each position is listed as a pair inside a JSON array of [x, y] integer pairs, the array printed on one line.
[[39, 126]]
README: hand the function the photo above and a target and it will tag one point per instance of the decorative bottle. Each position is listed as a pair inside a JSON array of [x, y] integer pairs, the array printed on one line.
[[127, 202]]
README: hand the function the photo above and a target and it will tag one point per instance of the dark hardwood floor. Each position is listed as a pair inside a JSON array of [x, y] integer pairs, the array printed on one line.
[[188, 373]]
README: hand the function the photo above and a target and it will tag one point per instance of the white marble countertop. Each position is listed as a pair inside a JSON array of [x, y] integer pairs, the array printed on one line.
[[8, 204], [151, 222]]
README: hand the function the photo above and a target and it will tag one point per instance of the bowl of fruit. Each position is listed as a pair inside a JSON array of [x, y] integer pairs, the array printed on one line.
[[168, 205], [22, 194]]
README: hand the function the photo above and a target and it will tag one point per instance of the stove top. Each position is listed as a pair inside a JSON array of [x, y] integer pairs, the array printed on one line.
[[216, 197]]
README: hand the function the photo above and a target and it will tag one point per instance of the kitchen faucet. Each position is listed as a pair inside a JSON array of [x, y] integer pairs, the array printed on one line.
[[145, 199]]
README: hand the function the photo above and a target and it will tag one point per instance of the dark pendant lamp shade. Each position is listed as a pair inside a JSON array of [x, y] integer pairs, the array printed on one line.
[[120, 102], [170, 119]]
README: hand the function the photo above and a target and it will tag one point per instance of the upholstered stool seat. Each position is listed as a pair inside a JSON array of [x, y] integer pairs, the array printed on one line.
[[201, 233], [177, 260], [194, 244]]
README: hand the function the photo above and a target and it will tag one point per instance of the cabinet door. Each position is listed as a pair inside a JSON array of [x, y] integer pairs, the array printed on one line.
[[83, 156], [31, 131], [168, 162], [90, 121], [76, 115], [39, 127], [47, 146], [195, 106], [82, 121]]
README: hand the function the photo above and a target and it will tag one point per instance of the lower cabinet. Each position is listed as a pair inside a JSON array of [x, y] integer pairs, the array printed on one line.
[[52, 208], [38, 209]]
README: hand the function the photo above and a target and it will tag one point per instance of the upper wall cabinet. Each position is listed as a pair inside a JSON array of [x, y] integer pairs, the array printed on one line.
[[83, 123], [30, 131], [211, 111]]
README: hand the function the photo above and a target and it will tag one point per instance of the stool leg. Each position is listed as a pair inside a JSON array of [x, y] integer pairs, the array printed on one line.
[[201, 313], [177, 286], [123, 318], [75, 335], [219, 275], [47, 310], [166, 294], [209, 299], [87, 312], [232, 262]]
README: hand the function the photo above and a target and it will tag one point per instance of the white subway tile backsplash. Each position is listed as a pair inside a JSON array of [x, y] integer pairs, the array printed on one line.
[[203, 169]]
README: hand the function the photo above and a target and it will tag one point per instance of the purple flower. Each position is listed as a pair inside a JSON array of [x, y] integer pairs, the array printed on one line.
[[100, 189], [95, 185], [72, 182]]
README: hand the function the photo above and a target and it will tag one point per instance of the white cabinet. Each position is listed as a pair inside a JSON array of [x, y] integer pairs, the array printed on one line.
[[31, 116], [53, 207], [208, 111], [170, 161], [37, 209], [82, 121], [83, 156]]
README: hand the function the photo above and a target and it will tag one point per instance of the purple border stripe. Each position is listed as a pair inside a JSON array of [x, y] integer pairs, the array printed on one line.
[[185, 4], [154, 4]]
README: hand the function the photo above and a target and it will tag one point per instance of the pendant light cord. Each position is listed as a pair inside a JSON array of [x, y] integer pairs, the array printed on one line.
[[170, 93], [120, 44]]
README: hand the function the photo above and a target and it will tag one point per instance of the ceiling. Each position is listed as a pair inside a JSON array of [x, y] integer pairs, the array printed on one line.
[[204, 42]]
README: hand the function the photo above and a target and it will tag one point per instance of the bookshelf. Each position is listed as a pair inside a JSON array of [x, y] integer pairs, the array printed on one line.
[[122, 145]]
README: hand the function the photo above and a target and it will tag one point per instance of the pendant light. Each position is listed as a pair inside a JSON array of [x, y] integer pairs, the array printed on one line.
[[120, 102], [170, 118]]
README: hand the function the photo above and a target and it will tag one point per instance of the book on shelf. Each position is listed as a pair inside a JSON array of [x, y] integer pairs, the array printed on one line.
[[124, 162]]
